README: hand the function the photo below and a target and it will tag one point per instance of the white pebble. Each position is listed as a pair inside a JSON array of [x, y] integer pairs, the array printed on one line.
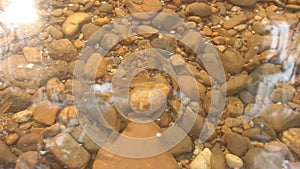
[[199, 163], [234, 161]]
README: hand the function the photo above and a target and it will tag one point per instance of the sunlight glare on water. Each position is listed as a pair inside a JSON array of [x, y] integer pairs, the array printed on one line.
[[19, 12]]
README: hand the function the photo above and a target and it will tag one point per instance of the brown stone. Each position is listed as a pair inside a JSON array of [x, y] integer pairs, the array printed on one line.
[[235, 20], [62, 49], [28, 159], [106, 160], [95, 67], [236, 144], [30, 142], [68, 151], [138, 6], [45, 112]]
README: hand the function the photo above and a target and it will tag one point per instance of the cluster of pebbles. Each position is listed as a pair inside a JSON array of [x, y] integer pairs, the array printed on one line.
[[256, 40]]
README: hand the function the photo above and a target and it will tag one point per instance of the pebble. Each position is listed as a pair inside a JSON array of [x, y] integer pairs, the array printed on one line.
[[217, 158], [236, 144], [32, 55], [177, 61], [235, 20], [163, 44], [7, 157], [232, 61], [234, 106], [234, 161], [45, 112], [29, 159], [79, 134], [246, 97], [101, 21], [198, 9], [52, 130], [236, 84], [291, 138], [242, 3], [188, 86], [280, 117], [200, 162], [88, 30], [260, 158], [138, 6], [259, 28], [95, 67], [73, 23], [185, 146], [16, 100], [277, 146], [106, 160], [283, 94], [105, 8], [68, 151], [22, 116], [62, 49], [12, 139], [68, 116], [55, 32], [55, 90], [30, 142], [233, 122]]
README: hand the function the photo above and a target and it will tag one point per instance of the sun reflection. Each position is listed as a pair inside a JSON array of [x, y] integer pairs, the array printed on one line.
[[19, 12]]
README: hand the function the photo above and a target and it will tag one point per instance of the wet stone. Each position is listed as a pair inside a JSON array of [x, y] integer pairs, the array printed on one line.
[[62, 49], [88, 30], [242, 3], [137, 6], [55, 32], [217, 158], [234, 106], [68, 116], [32, 54], [185, 146], [12, 139], [81, 136], [55, 90], [236, 144], [199, 9], [163, 44], [234, 161], [29, 159], [105, 8], [291, 138], [280, 117], [73, 23], [236, 84], [7, 157], [45, 112], [232, 61], [233, 122], [235, 20], [202, 161], [22, 116], [260, 158], [30, 142], [68, 151]]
